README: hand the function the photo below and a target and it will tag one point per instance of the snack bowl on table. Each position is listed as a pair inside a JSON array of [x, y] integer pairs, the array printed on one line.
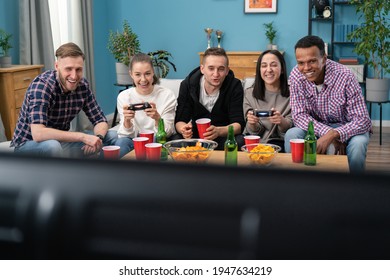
[[261, 154], [190, 150]]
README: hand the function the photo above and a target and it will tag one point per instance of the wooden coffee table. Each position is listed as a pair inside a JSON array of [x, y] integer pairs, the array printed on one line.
[[335, 163]]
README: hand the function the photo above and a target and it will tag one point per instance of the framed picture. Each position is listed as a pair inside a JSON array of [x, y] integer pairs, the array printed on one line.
[[260, 6]]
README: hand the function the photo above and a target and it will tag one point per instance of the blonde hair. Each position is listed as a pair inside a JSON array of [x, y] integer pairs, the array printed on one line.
[[69, 49]]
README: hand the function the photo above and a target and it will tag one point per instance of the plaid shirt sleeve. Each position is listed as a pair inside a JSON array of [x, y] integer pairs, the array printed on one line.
[[356, 114], [91, 107], [39, 100]]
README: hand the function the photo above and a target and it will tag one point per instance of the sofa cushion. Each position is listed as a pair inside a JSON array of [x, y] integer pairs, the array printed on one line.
[[4, 147], [173, 84], [2, 131]]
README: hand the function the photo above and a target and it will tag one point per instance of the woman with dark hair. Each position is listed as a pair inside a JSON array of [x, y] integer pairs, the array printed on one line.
[[269, 92]]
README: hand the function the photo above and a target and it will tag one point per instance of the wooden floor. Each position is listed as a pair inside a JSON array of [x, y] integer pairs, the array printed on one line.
[[378, 156]]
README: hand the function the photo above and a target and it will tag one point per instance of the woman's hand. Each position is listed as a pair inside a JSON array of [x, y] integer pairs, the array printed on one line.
[[251, 118], [128, 115], [152, 112], [276, 117]]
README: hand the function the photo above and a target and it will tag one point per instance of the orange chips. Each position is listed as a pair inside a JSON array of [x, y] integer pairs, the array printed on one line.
[[195, 153], [262, 154]]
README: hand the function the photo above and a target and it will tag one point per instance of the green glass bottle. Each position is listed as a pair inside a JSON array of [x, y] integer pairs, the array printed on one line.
[[310, 149], [161, 137], [231, 148]]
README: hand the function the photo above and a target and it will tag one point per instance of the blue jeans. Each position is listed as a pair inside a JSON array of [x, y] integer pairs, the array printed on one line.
[[356, 148], [54, 148]]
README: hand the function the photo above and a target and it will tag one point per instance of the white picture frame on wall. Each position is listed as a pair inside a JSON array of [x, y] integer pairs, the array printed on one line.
[[260, 6]]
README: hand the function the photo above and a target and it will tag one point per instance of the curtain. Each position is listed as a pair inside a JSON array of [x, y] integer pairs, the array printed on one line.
[[72, 21], [36, 44], [87, 27], [82, 122]]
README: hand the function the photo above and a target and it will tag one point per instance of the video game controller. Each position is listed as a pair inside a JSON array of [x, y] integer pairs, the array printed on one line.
[[263, 113], [139, 106]]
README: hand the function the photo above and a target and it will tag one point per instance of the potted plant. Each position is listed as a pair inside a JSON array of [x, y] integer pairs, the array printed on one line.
[[372, 38], [123, 45], [5, 45], [270, 33], [161, 62]]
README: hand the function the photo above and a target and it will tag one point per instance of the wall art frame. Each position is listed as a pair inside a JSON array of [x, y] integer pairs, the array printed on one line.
[[260, 6]]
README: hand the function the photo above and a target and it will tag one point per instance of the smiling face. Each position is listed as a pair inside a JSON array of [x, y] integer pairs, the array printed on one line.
[[311, 64], [70, 72], [142, 74], [270, 70]]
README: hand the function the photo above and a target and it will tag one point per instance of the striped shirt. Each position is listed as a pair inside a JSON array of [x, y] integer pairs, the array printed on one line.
[[339, 103], [45, 103]]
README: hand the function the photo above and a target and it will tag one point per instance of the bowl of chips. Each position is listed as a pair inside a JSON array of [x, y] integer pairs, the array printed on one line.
[[261, 154], [190, 150]]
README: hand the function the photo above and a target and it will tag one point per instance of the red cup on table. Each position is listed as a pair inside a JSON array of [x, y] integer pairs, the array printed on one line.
[[251, 139], [111, 152], [147, 133], [202, 125], [297, 147], [139, 147], [153, 151]]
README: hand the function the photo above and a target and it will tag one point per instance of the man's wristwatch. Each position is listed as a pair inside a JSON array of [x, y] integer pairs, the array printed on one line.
[[100, 136]]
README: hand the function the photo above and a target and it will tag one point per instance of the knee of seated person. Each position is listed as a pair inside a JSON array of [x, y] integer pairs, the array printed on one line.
[[295, 132], [126, 145], [292, 133], [51, 148], [358, 143], [110, 137]]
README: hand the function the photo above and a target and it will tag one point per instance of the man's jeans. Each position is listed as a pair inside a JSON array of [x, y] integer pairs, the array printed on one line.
[[356, 148], [54, 148]]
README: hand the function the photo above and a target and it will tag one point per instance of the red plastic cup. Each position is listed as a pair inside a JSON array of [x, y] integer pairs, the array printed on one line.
[[251, 139], [147, 133], [111, 152], [202, 125], [139, 147], [297, 147], [153, 151]]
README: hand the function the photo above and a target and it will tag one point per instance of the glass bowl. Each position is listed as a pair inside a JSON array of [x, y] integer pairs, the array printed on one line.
[[261, 154], [190, 150]]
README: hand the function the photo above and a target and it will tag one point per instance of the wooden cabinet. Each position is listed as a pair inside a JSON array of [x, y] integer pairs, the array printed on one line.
[[14, 82], [243, 64]]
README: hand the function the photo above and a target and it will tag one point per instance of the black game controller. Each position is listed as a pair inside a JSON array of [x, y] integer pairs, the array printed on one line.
[[139, 106], [263, 113]]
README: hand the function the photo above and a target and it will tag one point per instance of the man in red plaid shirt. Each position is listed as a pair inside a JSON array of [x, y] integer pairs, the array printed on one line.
[[328, 93]]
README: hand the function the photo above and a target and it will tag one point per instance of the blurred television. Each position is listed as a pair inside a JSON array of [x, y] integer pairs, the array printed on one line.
[[94, 209]]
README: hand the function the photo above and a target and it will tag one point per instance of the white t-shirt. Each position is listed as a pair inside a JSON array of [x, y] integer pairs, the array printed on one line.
[[165, 101], [207, 100]]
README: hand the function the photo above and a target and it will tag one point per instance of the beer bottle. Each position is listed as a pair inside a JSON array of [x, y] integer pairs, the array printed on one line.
[[231, 148], [310, 149], [161, 137]]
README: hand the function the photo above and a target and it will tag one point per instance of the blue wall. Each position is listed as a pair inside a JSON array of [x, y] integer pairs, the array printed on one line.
[[9, 21], [178, 26]]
